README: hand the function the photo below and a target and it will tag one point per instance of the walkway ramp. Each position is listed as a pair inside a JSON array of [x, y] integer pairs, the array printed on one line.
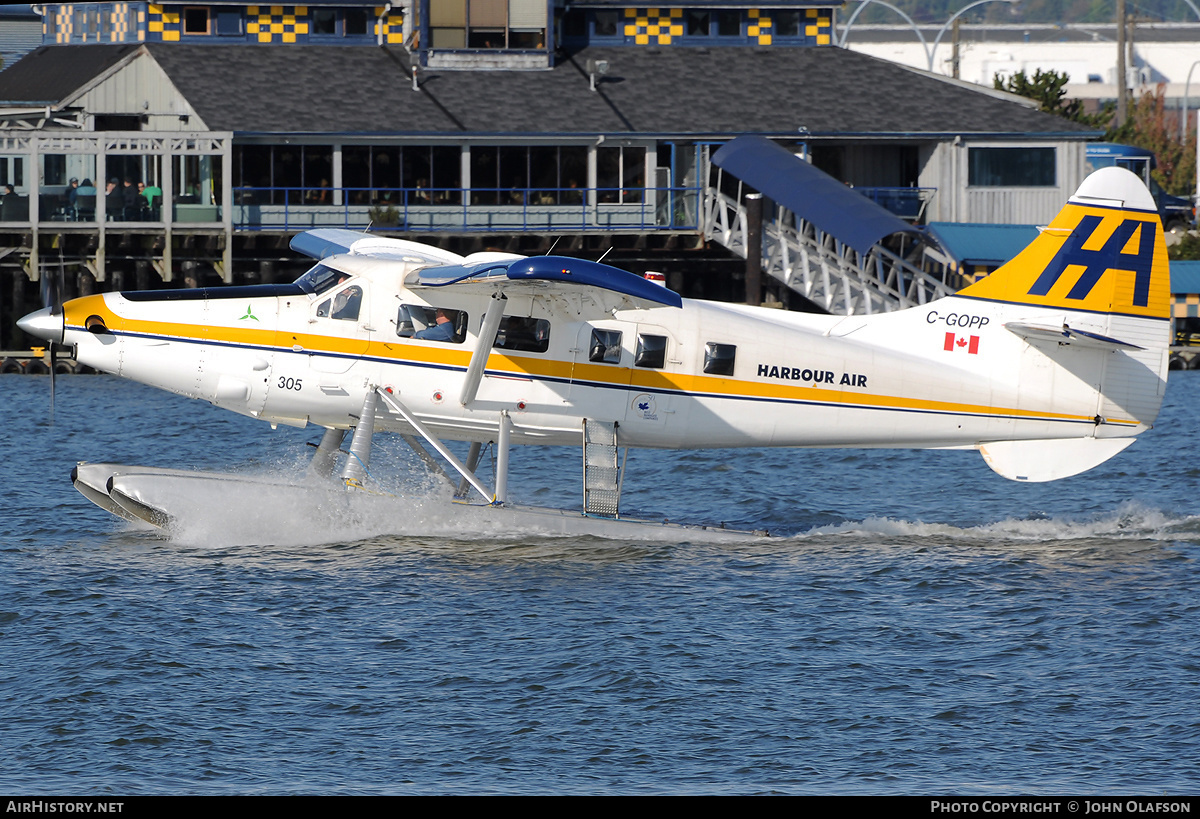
[[822, 239]]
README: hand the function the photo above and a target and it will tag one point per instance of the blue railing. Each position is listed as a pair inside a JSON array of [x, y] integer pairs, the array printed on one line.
[[475, 210], [907, 203]]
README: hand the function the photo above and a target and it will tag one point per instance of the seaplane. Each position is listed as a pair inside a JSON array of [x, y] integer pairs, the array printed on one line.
[[1048, 367]]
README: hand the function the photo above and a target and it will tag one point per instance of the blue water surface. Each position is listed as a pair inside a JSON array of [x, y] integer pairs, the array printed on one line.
[[923, 626]]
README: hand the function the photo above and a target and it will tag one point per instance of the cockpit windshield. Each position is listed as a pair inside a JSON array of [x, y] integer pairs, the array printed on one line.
[[320, 278]]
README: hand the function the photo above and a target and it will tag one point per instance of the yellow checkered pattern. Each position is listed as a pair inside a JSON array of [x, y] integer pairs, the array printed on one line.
[[164, 23], [64, 24], [1185, 306], [393, 26], [120, 18], [277, 24], [650, 27], [759, 28], [818, 24]]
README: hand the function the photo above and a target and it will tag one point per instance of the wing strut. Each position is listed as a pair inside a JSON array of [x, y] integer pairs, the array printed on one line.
[[397, 406], [483, 348]]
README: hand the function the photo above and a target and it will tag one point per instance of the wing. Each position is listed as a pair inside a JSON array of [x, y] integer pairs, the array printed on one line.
[[598, 287]]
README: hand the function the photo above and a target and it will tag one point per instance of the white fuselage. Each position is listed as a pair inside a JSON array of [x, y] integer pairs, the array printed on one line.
[[943, 375]]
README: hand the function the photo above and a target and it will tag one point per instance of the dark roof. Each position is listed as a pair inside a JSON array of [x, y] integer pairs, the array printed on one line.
[[809, 192], [48, 74], [716, 92]]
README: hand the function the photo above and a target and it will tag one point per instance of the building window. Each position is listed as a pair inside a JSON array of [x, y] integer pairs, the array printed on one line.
[[1012, 167], [229, 23], [519, 175], [698, 23], [729, 23], [195, 20], [604, 24], [719, 358], [620, 174], [324, 21], [355, 22], [787, 23]]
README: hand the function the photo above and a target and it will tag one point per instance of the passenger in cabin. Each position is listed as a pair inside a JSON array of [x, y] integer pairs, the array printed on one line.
[[441, 330]]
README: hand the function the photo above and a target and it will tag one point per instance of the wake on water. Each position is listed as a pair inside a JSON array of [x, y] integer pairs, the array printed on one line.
[[264, 508]]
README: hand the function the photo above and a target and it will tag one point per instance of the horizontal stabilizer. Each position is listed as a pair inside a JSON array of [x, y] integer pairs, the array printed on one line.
[[1064, 334], [1049, 460]]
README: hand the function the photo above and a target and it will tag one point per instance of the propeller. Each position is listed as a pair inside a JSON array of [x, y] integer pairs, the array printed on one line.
[[52, 287]]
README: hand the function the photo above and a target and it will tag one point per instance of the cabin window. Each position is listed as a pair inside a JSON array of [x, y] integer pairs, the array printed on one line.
[[344, 306], [526, 335], [605, 347], [651, 351], [718, 358], [431, 323], [320, 278], [1011, 167]]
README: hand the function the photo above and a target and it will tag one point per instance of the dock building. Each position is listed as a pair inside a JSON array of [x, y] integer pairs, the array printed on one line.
[[210, 133]]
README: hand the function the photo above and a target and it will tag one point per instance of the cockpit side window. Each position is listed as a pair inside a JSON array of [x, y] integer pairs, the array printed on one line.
[[320, 278], [431, 323], [345, 305]]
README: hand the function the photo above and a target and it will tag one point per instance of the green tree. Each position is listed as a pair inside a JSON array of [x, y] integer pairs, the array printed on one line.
[[1150, 126], [1186, 249], [1048, 89]]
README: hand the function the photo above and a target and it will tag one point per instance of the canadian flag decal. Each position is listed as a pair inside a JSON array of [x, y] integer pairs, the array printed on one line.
[[953, 343]]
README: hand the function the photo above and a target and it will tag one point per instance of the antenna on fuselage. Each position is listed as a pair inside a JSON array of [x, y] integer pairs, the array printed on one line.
[[605, 253], [552, 246]]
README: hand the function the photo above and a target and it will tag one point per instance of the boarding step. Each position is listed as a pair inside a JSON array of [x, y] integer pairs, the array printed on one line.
[[601, 474]]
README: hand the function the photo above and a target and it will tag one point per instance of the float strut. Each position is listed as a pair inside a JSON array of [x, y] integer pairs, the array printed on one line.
[[472, 464], [359, 460], [324, 460], [397, 406], [502, 458]]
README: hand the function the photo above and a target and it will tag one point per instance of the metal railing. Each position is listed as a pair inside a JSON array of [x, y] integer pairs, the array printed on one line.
[[819, 266], [907, 203], [455, 210]]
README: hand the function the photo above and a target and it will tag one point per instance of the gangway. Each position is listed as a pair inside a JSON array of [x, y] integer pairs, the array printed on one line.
[[836, 248]]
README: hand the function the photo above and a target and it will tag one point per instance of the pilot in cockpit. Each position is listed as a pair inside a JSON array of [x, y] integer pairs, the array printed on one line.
[[441, 330]]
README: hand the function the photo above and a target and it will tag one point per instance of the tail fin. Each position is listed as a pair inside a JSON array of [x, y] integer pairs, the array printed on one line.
[[1103, 253], [1096, 283]]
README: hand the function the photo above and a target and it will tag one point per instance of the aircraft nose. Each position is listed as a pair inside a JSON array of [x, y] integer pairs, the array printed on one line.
[[44, 324]]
